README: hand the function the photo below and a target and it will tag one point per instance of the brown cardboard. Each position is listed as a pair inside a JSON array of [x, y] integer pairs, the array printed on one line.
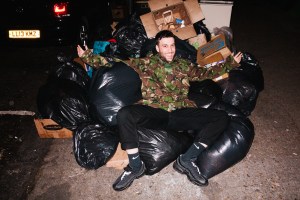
[[210, 59], [188, 10], [44, 132], [211, 50], [198, 41], [119, 159]]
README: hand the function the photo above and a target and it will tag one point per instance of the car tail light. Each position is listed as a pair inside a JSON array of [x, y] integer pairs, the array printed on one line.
[[61, 9]]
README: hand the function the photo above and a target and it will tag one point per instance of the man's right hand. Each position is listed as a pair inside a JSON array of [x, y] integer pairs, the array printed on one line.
[[80, 51]]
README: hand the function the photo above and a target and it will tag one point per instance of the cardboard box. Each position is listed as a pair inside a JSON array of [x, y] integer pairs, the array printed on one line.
[[217, 13], [198, 41], [211, 51], [47, 128], [119, 160], [168, 14]]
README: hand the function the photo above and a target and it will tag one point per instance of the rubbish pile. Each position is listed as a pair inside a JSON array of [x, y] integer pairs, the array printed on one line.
[[88, 105]]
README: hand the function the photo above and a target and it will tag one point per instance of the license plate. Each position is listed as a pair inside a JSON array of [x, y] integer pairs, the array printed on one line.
[[27, 34]]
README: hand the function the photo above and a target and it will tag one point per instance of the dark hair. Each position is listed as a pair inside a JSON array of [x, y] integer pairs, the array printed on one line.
[[163, 34]]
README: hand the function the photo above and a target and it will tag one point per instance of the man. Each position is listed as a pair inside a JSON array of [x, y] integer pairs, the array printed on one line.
[[165, 84]]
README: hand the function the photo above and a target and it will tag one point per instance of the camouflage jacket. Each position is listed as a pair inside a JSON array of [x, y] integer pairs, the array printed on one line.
[[164, 84]]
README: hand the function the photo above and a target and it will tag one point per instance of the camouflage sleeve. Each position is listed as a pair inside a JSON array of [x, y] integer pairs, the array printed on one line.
[[214, 70], [94, 60], [97, 61]]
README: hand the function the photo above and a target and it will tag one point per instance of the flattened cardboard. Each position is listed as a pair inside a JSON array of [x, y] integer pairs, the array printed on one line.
[[43, 132], [119, 159], [188, 10]]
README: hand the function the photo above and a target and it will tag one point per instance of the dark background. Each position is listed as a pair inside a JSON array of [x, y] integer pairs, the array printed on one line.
[[271, 34]]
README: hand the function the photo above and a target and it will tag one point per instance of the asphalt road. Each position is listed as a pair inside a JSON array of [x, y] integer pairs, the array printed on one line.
[[34, 168]]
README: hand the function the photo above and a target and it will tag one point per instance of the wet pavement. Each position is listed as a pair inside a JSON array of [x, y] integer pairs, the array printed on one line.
[[34, 168]]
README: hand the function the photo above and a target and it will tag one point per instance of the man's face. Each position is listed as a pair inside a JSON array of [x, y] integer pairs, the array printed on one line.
[[166, 48]]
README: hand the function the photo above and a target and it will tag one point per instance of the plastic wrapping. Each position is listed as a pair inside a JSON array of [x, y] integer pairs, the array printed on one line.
[[205, 93], [130, 35], [230, 148], [159, 148], [111, 89], [63, 101], [94, 145]]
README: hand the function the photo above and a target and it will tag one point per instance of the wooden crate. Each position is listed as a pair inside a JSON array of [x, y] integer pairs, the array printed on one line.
[[47, 128], [119, 160]]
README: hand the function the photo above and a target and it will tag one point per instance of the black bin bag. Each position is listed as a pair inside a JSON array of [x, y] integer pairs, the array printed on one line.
[[94, 144], [205, 93], [63, 101], [130, 35], [232, 111], [71, 70], [250, 67], [242, 87], [239, 92], [230, 148], [111, 89], [158, 148]]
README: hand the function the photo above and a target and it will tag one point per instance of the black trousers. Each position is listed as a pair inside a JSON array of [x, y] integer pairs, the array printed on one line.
[[207, 123]]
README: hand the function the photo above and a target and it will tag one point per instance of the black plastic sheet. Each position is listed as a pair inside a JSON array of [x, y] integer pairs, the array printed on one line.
[[94, 144], [63, 101], [158, 148], [111, 89], [230, 148]]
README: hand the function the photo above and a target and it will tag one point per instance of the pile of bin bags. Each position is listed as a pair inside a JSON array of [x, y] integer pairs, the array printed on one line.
[[88, 106]]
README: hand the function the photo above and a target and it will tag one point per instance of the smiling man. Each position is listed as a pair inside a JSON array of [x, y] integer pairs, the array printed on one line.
[[165, 105]]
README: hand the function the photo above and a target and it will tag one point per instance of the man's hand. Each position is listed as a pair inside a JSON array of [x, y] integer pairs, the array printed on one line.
[[80, 51], [238, 57]]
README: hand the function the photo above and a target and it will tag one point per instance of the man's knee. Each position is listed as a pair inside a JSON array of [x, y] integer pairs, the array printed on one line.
[[123, 113]]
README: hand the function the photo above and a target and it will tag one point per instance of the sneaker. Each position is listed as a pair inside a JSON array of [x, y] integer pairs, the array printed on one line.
[[191, 170], [127, 177]]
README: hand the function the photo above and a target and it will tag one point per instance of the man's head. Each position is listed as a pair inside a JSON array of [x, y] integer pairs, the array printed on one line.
[[165, 45]]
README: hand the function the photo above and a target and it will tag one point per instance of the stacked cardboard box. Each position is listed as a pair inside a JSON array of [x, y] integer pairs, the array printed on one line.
[[175, 15], [213, 51]]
